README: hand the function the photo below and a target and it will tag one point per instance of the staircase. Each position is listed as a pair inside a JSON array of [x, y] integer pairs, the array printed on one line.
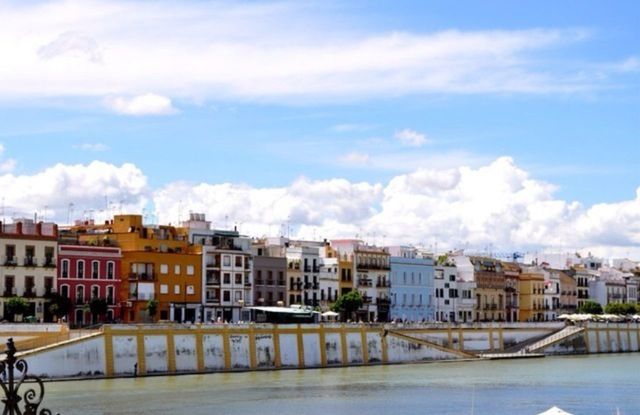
[[564, 334]]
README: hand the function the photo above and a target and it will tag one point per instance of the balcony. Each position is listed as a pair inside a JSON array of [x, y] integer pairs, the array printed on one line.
[[213, 281], [247, 284], [382, 284], [282, 282], [307, 268], [141, 276], [270, 282], [366, 299], [366, 267], [29, 293], [30, 261], [307, 285], [365, 282], [9, 292], [10, 261], [49, 262], [49, 291], [259, 281], [315, 269], [80, 300], [316, 286]]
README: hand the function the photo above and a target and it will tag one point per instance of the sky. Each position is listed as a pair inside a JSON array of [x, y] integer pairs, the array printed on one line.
[[494, 125]]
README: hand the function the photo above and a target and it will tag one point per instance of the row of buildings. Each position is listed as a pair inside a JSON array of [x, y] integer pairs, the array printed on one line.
[[195, 273]]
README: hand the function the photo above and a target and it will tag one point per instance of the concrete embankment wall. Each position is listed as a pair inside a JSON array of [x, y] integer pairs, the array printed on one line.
[[121, 350], [600, 338]]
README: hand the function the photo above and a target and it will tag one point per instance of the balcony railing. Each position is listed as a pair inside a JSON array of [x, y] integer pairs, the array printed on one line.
[[363, 282], [316, 286], [10, 261], [141, 276], [383, 301], [80, 300], [9, 292], [213, 281], [364, 267], [49, 262], [366, 299], [30, 261], [29, 293], [282, 282], [382, 284]]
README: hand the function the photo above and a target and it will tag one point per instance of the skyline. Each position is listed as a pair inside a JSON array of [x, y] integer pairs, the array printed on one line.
[[515, 126]]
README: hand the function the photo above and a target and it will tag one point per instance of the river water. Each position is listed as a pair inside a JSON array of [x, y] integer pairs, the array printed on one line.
[[582, 385]]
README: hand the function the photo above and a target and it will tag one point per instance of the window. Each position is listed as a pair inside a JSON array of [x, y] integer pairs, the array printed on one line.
[[164, 289], [226, 295], [226, 278], [80, 294], [95, 291], [64, 291], [238, 278], [238, 261], [226, 260], [80, 269], [110, 296], [190, 290], [110, 270], [237, 295], [64, 273], [176, 270], [176, 289], [164, 269], [29, 290], [95, 266], [190, 270]]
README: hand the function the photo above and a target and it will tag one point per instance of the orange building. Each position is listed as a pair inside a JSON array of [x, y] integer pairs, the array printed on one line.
[[161, 272]]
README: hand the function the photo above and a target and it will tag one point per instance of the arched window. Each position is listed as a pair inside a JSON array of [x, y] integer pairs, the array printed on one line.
[[80, 294], [110, 297], [64, 290], [95, 269], [80, 269], [95, 291], [64, 272], [111, 267]]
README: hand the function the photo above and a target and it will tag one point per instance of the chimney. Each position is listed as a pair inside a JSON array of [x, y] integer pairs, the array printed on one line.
[[19, 228], [39, 228]]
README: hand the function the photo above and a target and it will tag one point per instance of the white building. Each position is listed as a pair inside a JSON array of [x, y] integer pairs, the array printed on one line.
[[551, 294], [28, 267], [227, 270], [455, 299]]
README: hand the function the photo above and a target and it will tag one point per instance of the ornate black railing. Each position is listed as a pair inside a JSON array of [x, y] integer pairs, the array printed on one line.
[[14, 374]]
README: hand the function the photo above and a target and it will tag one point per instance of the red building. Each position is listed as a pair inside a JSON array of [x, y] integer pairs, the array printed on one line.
[[87, 272]]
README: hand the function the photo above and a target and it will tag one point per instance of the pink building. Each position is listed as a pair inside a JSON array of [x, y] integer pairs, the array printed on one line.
[[87, 272]]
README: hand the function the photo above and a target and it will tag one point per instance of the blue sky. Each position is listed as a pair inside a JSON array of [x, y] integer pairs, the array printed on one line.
[[261, 94]]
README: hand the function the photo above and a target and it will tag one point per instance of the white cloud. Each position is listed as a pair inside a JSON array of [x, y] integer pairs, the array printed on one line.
[[497, 204], [97, 147], [8, 164], [86, 186], [147, 104], [411, 138], [355, 158], [202, 51]]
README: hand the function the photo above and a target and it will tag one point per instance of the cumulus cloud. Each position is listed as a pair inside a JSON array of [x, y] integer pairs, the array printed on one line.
[[6, 165], [498, 204], [264, 51], [88, 187], [147, 104], [411, 138]]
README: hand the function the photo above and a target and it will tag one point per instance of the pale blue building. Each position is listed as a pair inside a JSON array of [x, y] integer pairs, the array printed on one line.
[[412, 286]]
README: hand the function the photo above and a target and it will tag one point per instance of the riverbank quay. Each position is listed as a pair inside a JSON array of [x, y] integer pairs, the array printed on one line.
[[164, 349]]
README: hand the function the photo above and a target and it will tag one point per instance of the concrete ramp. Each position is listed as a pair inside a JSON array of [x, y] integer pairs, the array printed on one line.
[[560, 336], [436, 346]]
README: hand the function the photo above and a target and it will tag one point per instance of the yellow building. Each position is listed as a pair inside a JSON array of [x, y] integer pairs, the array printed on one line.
[[345, 277], [159, 268], [531, 296]]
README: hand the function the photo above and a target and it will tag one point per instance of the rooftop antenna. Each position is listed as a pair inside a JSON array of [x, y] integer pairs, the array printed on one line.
[[44, 215]]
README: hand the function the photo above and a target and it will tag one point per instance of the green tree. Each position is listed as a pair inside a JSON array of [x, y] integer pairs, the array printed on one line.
[[620, 308], [98, 307], [152, 307], [590, 307], [17, 305], [348, 303], [59, 305]]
